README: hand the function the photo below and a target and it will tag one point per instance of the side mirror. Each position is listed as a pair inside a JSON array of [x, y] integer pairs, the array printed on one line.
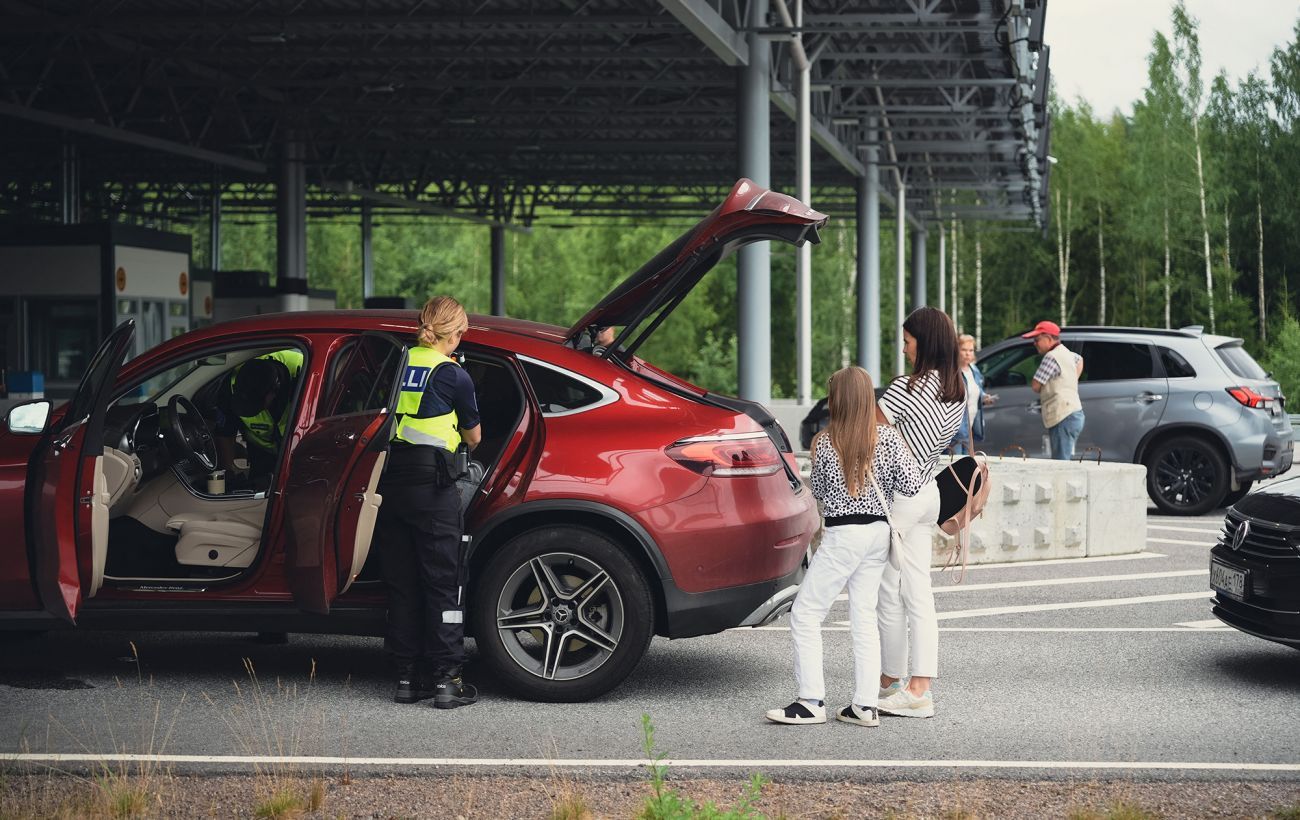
[[29, 418]]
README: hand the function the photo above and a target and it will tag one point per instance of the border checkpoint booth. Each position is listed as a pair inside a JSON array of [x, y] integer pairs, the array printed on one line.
[[64, 287]]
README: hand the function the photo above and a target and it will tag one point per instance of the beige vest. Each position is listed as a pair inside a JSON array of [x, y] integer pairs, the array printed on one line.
[[1060, 396]]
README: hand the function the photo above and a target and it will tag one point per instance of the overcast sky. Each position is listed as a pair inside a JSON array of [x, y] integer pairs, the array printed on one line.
[[1100, 47]]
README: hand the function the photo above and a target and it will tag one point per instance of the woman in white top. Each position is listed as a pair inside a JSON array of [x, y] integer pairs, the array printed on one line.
[[926, 407]]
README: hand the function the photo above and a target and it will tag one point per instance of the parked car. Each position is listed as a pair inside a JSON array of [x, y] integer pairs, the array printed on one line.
[[1255, 567], [1195, 408], [613, 500]]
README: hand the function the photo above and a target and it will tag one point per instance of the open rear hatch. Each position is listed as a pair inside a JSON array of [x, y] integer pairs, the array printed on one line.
[[641, 303]]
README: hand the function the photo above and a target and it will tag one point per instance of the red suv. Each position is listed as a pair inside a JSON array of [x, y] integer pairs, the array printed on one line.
[[609, 500]]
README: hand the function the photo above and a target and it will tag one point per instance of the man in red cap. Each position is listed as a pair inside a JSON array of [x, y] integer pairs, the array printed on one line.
[[1057, 383]]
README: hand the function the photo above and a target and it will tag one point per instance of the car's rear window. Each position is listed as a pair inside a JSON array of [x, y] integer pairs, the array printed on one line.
[[1240, 362], [1176, 367], [558, 393]]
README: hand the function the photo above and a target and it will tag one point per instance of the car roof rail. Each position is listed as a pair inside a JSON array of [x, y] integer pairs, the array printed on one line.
[[1190, 331]]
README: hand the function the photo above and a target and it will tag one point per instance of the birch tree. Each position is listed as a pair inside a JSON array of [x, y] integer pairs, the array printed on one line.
[[1187, 53]]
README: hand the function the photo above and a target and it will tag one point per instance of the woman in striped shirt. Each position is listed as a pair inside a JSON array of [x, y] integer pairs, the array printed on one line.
[[926, 408]]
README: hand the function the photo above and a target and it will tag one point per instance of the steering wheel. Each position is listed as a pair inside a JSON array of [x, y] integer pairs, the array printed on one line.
[[188, 432]]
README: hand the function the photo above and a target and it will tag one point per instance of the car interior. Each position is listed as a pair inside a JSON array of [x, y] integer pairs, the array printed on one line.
[[165, 514]]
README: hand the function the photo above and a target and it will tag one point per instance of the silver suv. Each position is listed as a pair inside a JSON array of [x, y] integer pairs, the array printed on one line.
[[1196, 409]]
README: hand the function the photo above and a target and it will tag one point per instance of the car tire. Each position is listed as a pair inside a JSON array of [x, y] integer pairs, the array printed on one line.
[[1186, 475], [1236, 495], [537, 650]]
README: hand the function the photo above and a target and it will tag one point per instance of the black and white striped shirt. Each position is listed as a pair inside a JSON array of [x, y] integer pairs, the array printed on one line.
[[926, 424]]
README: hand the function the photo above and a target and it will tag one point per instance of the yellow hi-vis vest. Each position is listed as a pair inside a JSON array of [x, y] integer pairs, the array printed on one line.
[[264, 430], [435, 431]]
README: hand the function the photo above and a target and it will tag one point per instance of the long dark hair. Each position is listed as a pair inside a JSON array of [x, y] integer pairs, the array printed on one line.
[[936, 349]]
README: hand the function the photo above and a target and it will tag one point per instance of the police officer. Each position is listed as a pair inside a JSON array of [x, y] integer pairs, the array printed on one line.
[[259, 398], [420, 526]]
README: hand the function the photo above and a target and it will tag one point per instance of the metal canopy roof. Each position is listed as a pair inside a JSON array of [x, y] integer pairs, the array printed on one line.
[[502, 108]]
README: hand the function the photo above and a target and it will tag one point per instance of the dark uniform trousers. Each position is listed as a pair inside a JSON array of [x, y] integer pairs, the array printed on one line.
[[419, 529]]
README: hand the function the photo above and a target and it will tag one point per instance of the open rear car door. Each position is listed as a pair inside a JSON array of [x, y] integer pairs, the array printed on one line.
[[330, 495], [67, 500]]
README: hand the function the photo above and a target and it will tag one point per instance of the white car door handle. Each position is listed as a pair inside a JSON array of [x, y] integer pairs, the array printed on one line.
[[1036, 407], [1147, 398]]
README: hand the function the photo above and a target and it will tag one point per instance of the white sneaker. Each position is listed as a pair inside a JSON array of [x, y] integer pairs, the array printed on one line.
[[859, 715], [904, 704], [886, 691], [798, 713]]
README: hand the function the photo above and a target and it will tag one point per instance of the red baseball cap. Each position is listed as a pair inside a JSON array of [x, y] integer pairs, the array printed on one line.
[[1050, 328]]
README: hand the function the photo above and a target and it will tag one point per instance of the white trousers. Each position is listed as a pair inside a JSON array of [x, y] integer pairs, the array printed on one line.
[[906, 599], [854, 555]]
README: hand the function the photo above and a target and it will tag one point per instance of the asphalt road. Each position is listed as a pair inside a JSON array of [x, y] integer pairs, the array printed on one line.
[[1048, 669]]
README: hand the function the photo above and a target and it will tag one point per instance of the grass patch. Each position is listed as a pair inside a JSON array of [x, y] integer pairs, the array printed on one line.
[[1291, 812], [284, 802], [668, 804], [1119, 810]]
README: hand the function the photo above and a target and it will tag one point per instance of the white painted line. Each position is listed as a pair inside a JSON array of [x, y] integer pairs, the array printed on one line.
[[1095, 559], [1103, 602], [1089, 579], [1187, 543], [544, 764], [1055, 582], [843, 626], [1174, 528], [1212, 623]]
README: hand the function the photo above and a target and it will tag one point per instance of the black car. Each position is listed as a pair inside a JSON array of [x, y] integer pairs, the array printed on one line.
[[1255, 567], [817, 419]]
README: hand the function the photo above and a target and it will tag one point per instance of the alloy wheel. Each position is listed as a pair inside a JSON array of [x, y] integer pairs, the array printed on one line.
[[560, 616]]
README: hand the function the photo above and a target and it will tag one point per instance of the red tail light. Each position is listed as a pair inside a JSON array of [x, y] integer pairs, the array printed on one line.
[[734, 455], [1249, 397]]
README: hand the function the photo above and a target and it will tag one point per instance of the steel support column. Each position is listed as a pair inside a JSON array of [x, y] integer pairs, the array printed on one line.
[[754, 262], [869, 260], [367, 251], [70, 183], [900, 208], [943, 270], [803, 262], [214, 228], [918, 269], [498, 240], [291, 228]]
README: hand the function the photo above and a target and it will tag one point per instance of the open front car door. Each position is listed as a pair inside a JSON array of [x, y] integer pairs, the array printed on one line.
[[67, 506], [330, 499]]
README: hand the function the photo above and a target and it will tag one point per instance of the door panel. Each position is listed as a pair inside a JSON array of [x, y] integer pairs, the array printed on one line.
[[1123, 396], [318, 551], [67, 479], [330, 491], [1014, 420]]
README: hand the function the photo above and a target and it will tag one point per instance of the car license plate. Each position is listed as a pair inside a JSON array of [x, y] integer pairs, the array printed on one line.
[[1228, 580]]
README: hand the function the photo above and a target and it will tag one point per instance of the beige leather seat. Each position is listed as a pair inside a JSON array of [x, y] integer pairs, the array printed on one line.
[[205, 542]]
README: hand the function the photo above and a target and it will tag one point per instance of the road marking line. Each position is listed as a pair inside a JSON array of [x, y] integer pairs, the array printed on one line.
[[1054, 582], [1174, 528], [843, 626], [685, 763], [1212, 623], [1094, 559], [1102, 602], [1177, 541]]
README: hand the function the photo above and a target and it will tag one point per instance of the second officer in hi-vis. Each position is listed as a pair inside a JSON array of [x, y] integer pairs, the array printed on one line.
[[420, 525]]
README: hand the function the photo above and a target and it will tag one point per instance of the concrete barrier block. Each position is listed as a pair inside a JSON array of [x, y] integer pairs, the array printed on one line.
[[1117, 508]]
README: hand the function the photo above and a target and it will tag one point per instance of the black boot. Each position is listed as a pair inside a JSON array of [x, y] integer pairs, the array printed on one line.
[[450, 691], [412, 685]]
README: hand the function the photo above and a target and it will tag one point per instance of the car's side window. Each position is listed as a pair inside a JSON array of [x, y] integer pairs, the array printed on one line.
[[1012, 367], [360, 377], [1176, 367], [557, 392], [1117, 361]]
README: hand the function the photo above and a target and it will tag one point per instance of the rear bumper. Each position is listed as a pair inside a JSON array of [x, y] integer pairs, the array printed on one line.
[[704, 613]]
